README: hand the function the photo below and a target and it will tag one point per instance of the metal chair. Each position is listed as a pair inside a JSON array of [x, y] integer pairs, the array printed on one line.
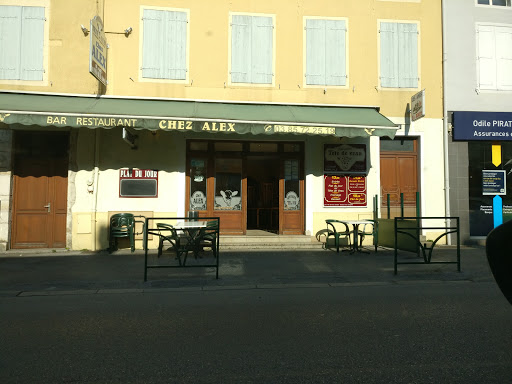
[[121, 225], [369, 229], [209, 235], [333, 230], [167, 232]]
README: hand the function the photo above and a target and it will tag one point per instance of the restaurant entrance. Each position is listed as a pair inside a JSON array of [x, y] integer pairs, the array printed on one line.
[[249, 185]]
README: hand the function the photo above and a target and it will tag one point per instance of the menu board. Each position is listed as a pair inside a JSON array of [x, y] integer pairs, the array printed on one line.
[[344, 191]]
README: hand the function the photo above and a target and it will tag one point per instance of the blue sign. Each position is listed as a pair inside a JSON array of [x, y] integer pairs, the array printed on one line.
[[489, 126]]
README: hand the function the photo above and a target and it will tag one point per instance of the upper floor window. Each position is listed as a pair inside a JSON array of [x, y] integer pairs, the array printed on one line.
[[22, 38], [252, 49], [164, 44], [494, 46], [501, 3], [398, 55], [326, 52]]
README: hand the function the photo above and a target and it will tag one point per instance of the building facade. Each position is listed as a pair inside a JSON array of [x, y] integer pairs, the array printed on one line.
[[273, 116], [478, 97]]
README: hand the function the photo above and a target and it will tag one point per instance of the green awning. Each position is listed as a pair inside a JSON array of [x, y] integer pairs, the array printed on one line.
[[197, 116]]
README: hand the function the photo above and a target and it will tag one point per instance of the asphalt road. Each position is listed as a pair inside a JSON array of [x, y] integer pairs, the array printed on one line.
[[429, 332]]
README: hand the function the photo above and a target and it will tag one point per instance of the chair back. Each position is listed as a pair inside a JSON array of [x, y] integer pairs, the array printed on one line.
[[122, 222]]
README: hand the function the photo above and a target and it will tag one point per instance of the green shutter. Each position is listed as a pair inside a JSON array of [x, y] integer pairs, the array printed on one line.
[[388, 55], [407, 55], [10, 42], [32, 43], [241, 31]]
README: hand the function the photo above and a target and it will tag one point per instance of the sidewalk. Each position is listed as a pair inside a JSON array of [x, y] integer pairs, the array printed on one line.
[[46, 272]]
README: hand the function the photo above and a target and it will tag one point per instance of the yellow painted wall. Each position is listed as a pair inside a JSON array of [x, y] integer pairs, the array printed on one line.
[[68, 70]]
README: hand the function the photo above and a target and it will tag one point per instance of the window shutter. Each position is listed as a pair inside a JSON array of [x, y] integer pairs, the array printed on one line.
[[262, 50], [32, 43], [504, 58], [407, 55], [152, 44], [388, 55], [315, 52], [175, 50], [335, 63], [241, 29], [486, 57], [10, 41]]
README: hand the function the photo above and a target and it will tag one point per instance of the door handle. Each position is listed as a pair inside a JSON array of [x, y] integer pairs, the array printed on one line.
[[49, 207]]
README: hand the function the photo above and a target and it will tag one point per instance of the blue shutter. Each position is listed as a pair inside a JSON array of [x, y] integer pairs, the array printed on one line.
[[175, 49], [10, 42], [241, 30], [315, 52], [152, 44], [32, 43], [164, 45], [335, 63], [262, 50], [407, 55], [388, 55]]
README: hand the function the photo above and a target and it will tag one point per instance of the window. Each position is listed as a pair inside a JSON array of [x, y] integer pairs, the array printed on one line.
[[398, 55], [22, 38], [228, 184], [326, 52], [164, 44], [501, 3], [494, 45], [252, 46]]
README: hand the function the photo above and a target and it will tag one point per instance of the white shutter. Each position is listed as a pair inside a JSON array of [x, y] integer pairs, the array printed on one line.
[[486, 57], [335, 63], [315, 52], [164, 45], [241, 30], [262, 50], [504, 58], [388, 55], [32, 43], [407, 55], [10, 42]]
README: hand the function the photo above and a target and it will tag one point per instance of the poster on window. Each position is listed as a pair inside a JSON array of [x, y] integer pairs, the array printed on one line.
[[344, 191], [345, 158]]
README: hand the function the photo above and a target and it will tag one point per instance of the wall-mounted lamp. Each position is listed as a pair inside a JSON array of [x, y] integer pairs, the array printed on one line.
[[127, 31], [84, 30]]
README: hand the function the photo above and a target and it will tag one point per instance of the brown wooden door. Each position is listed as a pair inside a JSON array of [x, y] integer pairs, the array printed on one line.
[[40, 190], [291, 197]]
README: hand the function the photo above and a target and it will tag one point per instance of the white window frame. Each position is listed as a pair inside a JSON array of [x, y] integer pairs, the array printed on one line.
[[141, 47], [418, 86], [46, 39], [496, 87], [304, 50], [508, 6], [238, 84]]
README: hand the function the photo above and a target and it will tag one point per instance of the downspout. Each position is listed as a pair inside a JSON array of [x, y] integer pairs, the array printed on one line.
[[95, 187], [445, 127]]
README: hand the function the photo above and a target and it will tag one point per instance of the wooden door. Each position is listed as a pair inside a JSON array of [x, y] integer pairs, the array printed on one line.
[[291, 197], [40, 190]]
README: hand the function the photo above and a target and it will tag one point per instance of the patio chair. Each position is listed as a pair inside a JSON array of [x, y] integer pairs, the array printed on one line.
[[337, 229], [167, 232], [369, 229], [121, 225], [208, 236]]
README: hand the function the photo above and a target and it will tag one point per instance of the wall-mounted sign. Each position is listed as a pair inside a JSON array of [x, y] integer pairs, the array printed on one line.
[[494, 182], [98, 51], [345, 158], [344, 191], [490, 126], [418, 105], [138, 182]]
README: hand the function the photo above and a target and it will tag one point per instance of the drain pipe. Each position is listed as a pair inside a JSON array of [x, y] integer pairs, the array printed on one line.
[[445, 126], [95, 187]]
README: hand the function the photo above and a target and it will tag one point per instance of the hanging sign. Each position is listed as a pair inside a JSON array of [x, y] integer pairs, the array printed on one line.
[[98, 51], [418, 105], [344, 191]]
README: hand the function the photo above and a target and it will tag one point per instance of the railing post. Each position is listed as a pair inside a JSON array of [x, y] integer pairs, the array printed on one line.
[[402, 204], [389, 207]]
